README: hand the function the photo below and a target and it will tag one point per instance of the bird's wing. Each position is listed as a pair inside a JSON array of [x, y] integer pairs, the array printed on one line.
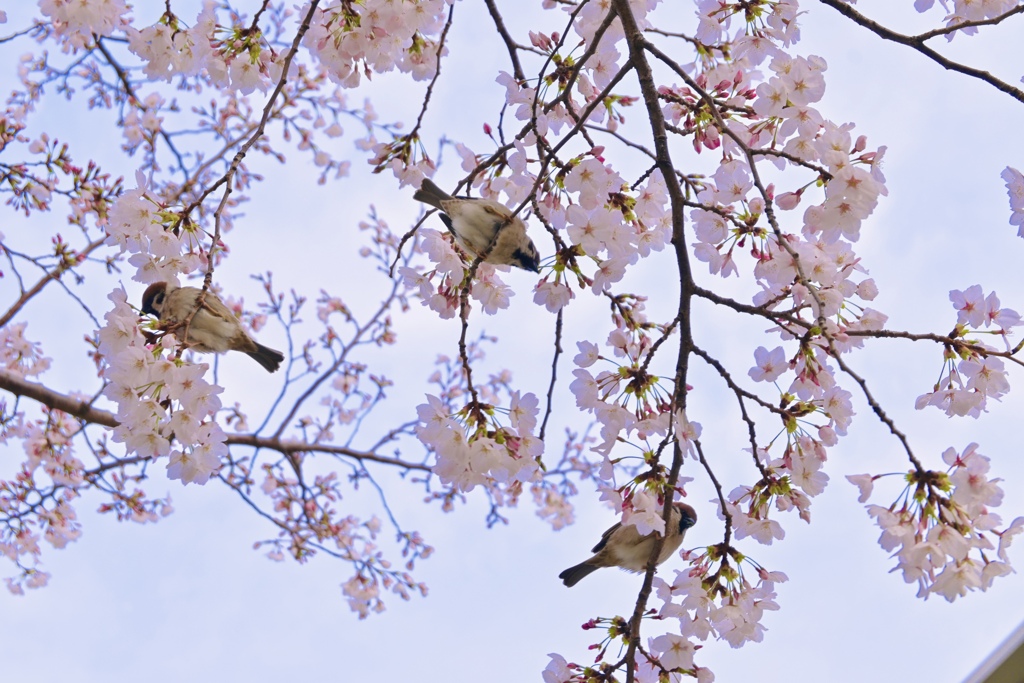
[[216, 307], [605, 536], [498, 211], [446, 219]]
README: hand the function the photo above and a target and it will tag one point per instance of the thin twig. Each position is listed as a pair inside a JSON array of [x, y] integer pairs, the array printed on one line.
[[917, 43], [554, 373]]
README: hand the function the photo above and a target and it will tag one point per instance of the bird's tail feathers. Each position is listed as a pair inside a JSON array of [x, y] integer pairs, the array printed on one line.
[[430, 193], [571, 576], [267, 357]]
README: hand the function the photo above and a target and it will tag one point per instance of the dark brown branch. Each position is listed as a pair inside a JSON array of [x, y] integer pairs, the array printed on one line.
[[969, 24], [18, 34], [554, 373], [499, 23], [288, 446], [54, 400], [876, 407], [958, 344], [87, 413], [918, 43], [649, 90], [437, 74], [718, 490]]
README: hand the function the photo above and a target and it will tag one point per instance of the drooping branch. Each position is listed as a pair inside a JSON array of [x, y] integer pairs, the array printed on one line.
[[85, 411], [918, 43], [510, 43]]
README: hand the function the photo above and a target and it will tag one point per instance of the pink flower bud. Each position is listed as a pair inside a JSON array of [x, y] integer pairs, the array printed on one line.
[[788, 200], [540, 41]]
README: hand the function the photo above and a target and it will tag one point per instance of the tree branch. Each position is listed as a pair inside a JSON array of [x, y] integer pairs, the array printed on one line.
[[918, 43], [84, 411], [649, 89], [55, 274]]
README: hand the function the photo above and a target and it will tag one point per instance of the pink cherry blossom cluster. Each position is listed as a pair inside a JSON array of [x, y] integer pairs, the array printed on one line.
[[451, 272], [19, 355], [605, 223], [553, 506], [789, 479], [162, 244], [787, 485], [472, 448], [75, 22], [232, 58], [164, 406], [965, 387], [170, 50], [89, 191], [816, 269], [714, 597], [50, 466], [626, 400], [941, 526], [375, 36], [163, 402], [776, 25], [722, 603], [553, 494]]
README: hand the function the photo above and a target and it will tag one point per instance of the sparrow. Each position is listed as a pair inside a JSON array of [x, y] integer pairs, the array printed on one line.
[[622, 546], [214, 328], [474, 222]]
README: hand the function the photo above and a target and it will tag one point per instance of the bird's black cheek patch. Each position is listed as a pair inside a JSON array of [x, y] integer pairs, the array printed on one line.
[[525, 260]]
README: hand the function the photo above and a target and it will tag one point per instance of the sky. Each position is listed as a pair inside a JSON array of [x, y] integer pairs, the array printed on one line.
[[189, 597]]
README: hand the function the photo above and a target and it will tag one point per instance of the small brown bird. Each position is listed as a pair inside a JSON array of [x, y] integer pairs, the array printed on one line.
[[474, 221], [622, 546], [213, 329]]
